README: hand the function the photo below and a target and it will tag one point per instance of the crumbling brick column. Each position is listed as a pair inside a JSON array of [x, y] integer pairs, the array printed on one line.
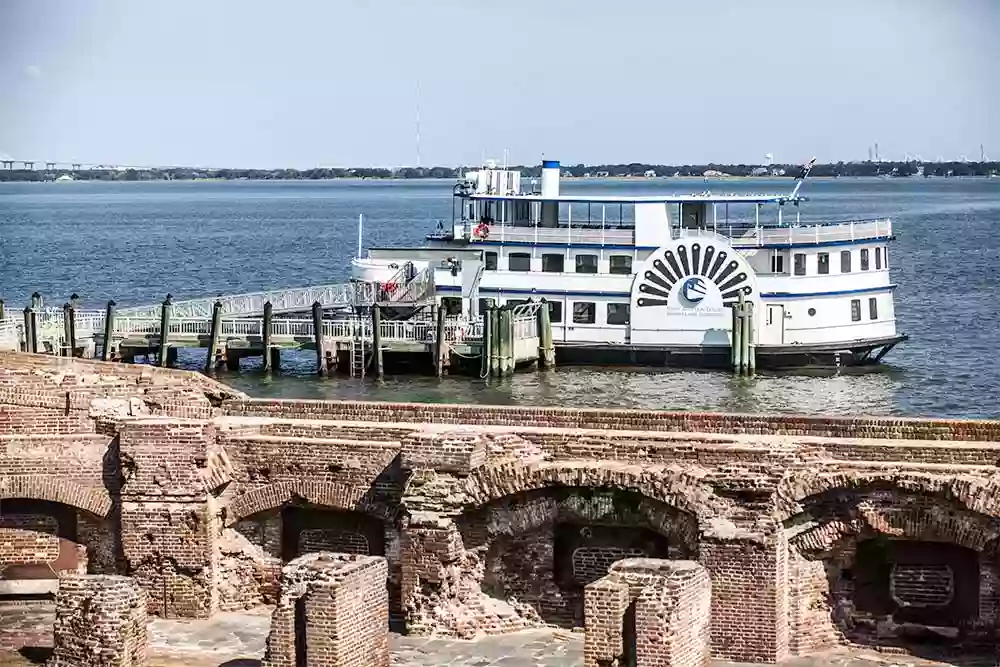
[[333, 611], [749, 572], [670, 603], [167, 524], [100, 622]]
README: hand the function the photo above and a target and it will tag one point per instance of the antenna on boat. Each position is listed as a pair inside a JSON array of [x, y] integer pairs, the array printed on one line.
[[361, 227], [799, 179]]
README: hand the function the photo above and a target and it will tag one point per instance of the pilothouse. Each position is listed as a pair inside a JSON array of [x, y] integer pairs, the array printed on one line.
[[651, 279]]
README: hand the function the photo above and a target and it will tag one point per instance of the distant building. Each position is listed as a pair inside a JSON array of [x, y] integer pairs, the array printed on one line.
[[649, 173]]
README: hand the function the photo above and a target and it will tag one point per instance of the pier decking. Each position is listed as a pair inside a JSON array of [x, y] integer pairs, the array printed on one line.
[[347, 330]]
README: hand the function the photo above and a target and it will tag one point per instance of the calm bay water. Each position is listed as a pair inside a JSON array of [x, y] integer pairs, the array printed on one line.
[[134, 242]]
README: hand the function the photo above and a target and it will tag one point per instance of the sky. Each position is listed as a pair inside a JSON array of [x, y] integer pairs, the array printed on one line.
[[307, 83]]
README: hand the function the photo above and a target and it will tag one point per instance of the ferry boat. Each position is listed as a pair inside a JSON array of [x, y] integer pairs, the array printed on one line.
[[650, 279]]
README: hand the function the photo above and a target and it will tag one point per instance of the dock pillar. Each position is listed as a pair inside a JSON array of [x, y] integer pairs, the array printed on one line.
[[3, 311], [68, 345], [109, 330], [317, 311], [377, 340], [29, 345], [494, 351], [484, 348], [737, 343], [265, 332], [213, 341], [165, 331], [751, 342], [36, 301], [546, 351], [440, 345], [72, 325], [506, 319]]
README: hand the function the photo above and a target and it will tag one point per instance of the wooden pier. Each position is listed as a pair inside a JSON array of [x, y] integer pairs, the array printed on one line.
[[350, 329]]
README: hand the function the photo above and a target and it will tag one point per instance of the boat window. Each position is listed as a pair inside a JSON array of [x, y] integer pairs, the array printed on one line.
[[586, 263], [555, 312], [845, 261], [777, 263], [519, 261], [800, 264], [864, 259], [584, 312], [510, 303], [855, 310], [491, 261], [885, 257], [553, 263], [618, 313], [620, 264], [452, 305], [878, 258], [873, 308], [484, 305], [823, 262]]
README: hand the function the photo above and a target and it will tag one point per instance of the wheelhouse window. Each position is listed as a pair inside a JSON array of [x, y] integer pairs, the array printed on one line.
[[452, 305], [491, 261], [620, 264], [586, 263], [511, 303], [845, 261], [778, 263], [878, 259], [823, 262], [873, 308], [618, 313], [800, 264], [555, 312], [553, 263], [519, 261], [864, 259], [584, 312], [484, 305], [855, 310]]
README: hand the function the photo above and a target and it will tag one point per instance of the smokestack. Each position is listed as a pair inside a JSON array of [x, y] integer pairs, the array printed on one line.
[[550, 190]]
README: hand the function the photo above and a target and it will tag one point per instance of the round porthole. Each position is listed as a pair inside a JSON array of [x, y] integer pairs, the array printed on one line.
[[812, 311]]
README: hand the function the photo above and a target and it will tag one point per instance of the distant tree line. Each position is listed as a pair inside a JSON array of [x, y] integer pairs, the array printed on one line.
[[635, 169]]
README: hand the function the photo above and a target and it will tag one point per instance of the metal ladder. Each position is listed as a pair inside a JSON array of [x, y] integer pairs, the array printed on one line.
[[359, 351]]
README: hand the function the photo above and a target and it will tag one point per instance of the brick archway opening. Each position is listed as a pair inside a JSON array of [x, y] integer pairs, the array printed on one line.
[[540, 548], [43, 539], [280, 534], [882, 567]]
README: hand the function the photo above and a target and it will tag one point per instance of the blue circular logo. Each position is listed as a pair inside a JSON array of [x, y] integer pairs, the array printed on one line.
[[693, 289]]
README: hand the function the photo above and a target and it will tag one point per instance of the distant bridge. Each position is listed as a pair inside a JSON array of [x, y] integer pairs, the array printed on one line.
[[52, 165]]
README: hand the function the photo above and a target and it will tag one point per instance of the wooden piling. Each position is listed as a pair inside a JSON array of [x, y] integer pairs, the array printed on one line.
[[109, 329], [377, 341], [493, 314], [29, 345], [73, 300], [317, 311], [484, 366], [213, 341], [505, 317], [67, 346], [546, 351], [440, 345], [737, 342], [751, 341], [3, 311], [266, 332], [36, 301], [165, 331]]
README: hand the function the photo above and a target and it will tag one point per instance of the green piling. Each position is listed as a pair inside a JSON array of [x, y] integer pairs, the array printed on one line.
[[29, 345], [265, 334], [546, 350], [377, 340], [493, 315], [440, 343], [317, 312], [3, 311], [165, 331], [752, 341], [214, 336], [68, 344], [109, 329]]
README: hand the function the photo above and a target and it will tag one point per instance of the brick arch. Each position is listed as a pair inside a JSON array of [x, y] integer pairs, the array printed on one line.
[[677, 489], [54, 489], [330, 494], [795, 491]]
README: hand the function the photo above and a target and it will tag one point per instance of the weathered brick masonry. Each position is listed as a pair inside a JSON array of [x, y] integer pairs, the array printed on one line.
[[812, 531]]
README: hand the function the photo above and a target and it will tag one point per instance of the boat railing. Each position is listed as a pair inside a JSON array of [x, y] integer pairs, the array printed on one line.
[[752, 235], [565, 234]]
